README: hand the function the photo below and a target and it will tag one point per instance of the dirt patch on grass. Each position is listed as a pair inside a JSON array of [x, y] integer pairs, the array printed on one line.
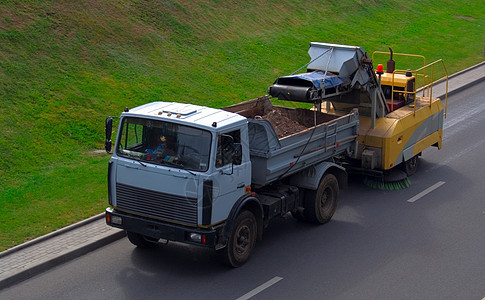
[[14, 20], [464, 17]]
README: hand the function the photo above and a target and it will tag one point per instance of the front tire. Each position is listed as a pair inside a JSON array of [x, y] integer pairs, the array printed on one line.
[[320, 205], [242, 240]]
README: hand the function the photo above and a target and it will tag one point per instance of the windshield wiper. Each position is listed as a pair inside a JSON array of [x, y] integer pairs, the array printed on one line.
[[190, 172]]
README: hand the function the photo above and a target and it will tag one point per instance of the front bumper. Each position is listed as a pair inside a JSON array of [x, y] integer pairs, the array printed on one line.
[[161, 230]]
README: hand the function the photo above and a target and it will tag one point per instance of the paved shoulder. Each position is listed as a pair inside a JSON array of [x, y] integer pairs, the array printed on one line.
[[36, 256]]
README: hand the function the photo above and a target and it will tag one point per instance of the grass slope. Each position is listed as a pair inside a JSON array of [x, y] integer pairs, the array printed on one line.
[[66, 65]]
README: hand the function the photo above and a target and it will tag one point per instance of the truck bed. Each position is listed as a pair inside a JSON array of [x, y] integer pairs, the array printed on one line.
[[276, 156]]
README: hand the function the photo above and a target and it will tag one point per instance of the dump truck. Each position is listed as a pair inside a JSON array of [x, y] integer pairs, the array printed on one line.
[[216, 177], [399, 117]]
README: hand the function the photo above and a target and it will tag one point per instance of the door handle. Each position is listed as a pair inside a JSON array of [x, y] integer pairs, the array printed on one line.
[[241, 185], [180, 176]]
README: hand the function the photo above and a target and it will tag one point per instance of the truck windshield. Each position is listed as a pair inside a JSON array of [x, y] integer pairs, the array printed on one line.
[[164, 143]]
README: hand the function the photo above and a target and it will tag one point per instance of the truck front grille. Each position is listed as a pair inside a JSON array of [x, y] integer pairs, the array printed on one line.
[[156, 204]]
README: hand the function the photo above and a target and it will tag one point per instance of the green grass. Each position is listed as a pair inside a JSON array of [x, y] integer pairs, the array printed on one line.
[[66, 65]]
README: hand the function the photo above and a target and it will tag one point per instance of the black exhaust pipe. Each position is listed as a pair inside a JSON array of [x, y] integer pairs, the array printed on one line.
[[391, 64]]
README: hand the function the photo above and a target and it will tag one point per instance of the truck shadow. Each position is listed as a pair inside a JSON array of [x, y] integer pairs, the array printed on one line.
[[371, 230]]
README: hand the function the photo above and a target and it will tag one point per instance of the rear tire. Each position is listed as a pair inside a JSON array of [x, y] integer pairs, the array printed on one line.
[[140, 240], [320, 205], [242, 240]]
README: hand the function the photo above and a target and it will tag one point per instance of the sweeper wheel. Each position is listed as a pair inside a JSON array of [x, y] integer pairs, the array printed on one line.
[[410, 166]]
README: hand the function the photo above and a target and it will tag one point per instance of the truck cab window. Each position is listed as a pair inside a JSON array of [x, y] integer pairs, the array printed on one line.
[[226, 148]]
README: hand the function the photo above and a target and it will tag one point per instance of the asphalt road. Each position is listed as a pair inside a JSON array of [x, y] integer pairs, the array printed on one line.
[[423, 242]]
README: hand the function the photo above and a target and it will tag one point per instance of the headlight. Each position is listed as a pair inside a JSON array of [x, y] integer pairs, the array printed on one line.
[[116, 220]]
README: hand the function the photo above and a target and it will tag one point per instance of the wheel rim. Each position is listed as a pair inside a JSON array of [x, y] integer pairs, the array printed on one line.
[[242, 239], [326, 201]]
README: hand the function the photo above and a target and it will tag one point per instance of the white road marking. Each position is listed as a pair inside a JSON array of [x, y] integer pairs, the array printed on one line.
[[426, 191], [260, 288]]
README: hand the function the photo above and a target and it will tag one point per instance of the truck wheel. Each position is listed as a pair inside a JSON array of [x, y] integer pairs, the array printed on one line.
[[411, 165], [320, 205], [141, 240], [242, 240]]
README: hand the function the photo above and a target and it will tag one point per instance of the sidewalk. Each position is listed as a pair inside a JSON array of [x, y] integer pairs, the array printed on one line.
[[460, 81], [29, 259], [36, 256]]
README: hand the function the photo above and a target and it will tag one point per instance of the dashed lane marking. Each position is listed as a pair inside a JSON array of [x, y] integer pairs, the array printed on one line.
[[426, 191], [260, 288]]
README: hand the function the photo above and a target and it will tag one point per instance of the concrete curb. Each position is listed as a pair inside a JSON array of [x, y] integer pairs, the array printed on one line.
[[41, 254], [51, 235], [467, 69], [460, 73], [463, 87], [60, 259]]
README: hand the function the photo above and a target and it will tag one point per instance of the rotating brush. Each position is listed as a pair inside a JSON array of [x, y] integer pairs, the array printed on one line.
[[392, 180]]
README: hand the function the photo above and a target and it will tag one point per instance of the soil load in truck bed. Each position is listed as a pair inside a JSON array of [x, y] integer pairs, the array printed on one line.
[[283, 141], [285, 121], [283, 126]]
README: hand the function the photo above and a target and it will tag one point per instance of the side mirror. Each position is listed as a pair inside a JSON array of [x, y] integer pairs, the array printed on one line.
[[109, 129]]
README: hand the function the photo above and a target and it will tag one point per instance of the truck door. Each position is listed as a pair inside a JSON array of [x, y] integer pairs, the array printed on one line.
[[231, 176]]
